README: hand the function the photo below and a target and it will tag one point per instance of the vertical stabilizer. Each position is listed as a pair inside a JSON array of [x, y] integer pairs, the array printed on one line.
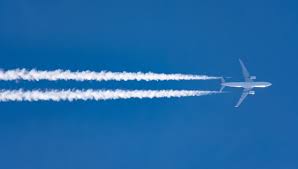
[[222, 82]]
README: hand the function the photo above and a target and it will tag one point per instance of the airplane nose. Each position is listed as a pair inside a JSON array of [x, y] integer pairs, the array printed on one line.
[[269, 84]]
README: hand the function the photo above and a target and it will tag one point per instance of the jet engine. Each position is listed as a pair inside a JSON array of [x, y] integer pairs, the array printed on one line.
[[252, 92], [253, 77]]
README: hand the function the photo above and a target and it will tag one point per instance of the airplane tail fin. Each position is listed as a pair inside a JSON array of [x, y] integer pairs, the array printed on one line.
[[222, 86], [222, 80]]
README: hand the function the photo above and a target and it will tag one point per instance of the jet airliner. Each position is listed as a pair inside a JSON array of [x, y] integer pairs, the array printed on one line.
[[248, 85]]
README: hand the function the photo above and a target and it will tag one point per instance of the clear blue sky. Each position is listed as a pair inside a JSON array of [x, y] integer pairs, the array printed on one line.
[[187, 36]]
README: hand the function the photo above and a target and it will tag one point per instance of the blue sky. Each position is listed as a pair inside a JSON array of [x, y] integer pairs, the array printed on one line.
[[196, 37]]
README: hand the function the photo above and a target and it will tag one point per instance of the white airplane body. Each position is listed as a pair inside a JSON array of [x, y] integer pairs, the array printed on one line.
[[248, 85]]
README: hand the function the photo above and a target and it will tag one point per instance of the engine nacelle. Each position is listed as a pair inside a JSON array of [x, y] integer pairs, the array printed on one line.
[[253, 77], [252, 92]]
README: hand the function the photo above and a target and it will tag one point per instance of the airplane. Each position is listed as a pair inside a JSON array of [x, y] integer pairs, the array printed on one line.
[[248, 85]]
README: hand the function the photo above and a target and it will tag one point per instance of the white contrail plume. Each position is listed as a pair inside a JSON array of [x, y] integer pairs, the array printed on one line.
[[72, 95], [36, 75]]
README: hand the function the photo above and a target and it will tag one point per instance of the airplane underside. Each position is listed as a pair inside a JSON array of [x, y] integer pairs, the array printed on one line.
[[247, 85]]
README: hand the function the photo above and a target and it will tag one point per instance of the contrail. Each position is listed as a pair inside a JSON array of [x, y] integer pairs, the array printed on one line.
[[97, 95], [36, 75]]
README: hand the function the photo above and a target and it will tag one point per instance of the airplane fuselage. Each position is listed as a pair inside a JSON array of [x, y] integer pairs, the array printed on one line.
[[247, 84]]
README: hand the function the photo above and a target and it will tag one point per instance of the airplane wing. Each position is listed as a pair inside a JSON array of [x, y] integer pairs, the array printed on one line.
[[245, 72], [243, 96]]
